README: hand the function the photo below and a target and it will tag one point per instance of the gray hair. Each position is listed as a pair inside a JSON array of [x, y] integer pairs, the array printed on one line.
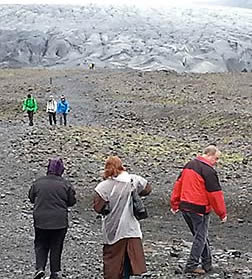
[[211, 150]]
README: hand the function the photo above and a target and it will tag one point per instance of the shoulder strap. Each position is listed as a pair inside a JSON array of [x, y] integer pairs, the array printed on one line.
[[132, 184], [113, 190]]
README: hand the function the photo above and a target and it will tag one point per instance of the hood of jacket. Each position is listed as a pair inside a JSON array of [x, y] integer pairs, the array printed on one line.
[[55, 167]]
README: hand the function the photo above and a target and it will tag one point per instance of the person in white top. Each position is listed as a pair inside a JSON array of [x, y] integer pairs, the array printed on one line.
[[51, 108], [123, 253]]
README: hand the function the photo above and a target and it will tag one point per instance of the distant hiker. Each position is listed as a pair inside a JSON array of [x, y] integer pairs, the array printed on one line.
[[51, 108], [51, 195], [63, 109], [30, 105], [91, 66], [123, 253], [196, 192]]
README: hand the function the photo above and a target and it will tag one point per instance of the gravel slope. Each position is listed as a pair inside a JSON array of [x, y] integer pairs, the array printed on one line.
[[155, 121]]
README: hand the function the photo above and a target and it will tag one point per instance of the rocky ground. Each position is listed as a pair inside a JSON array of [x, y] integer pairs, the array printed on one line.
[[155, 121]]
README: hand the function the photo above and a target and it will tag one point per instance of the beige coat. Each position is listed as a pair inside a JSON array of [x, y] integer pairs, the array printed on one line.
[[114, 254]]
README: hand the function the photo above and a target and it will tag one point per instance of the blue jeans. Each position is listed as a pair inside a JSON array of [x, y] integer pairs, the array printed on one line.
[[198, 225], [63, 116]]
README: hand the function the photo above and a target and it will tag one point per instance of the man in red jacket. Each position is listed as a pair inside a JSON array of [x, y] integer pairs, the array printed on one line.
[[196, 192]]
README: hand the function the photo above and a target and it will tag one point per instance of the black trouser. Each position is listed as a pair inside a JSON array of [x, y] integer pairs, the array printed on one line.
[[52, 117], [64, 116], [30, 116], [49, 241]]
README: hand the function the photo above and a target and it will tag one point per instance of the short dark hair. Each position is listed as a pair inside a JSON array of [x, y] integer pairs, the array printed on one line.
[[29, 96]]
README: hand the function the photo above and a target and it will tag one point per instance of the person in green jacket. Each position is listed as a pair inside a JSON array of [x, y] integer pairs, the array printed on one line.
[[30, 105]]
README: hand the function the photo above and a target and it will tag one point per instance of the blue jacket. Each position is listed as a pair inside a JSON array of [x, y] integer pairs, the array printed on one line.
[[63, 107]]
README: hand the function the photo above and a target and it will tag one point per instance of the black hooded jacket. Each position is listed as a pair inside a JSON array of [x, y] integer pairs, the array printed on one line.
[[52, 195]]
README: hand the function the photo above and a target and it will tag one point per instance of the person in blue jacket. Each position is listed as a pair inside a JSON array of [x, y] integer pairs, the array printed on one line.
[[62, 109]]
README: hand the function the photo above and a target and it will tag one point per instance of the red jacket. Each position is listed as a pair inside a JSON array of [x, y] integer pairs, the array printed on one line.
[[198, 190]]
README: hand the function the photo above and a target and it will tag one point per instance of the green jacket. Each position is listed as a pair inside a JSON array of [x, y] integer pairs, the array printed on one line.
[[30, 104]]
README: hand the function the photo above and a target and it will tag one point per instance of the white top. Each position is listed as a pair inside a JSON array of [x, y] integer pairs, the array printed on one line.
[[120, 222], [51, 106]]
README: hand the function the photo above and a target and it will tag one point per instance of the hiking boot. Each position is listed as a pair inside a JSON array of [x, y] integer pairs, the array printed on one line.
[[208, 268], [198, 270], [39, 274]]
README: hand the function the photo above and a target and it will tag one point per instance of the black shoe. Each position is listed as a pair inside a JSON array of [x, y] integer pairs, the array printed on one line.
[[39, 274], [55, 276], [207, 268]]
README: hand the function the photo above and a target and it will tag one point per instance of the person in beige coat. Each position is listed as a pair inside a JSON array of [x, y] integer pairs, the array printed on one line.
[[51, 108], [123, 253]]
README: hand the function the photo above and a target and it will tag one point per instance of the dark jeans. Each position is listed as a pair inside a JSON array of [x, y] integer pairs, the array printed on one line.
[[30, 116], [52, 117], [198, 225], [49, 241], [126, 268], [63, 116]]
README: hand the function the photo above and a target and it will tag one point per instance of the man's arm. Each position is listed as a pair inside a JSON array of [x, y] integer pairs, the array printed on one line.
[[31, 194], [55, 106], [176, 193], [24, 105], [67, 107], [215, 194], [216, 200], [35, 108], [98, 203], [146, 191]]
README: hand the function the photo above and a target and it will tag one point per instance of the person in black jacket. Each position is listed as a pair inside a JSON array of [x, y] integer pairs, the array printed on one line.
[[51, 196]]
